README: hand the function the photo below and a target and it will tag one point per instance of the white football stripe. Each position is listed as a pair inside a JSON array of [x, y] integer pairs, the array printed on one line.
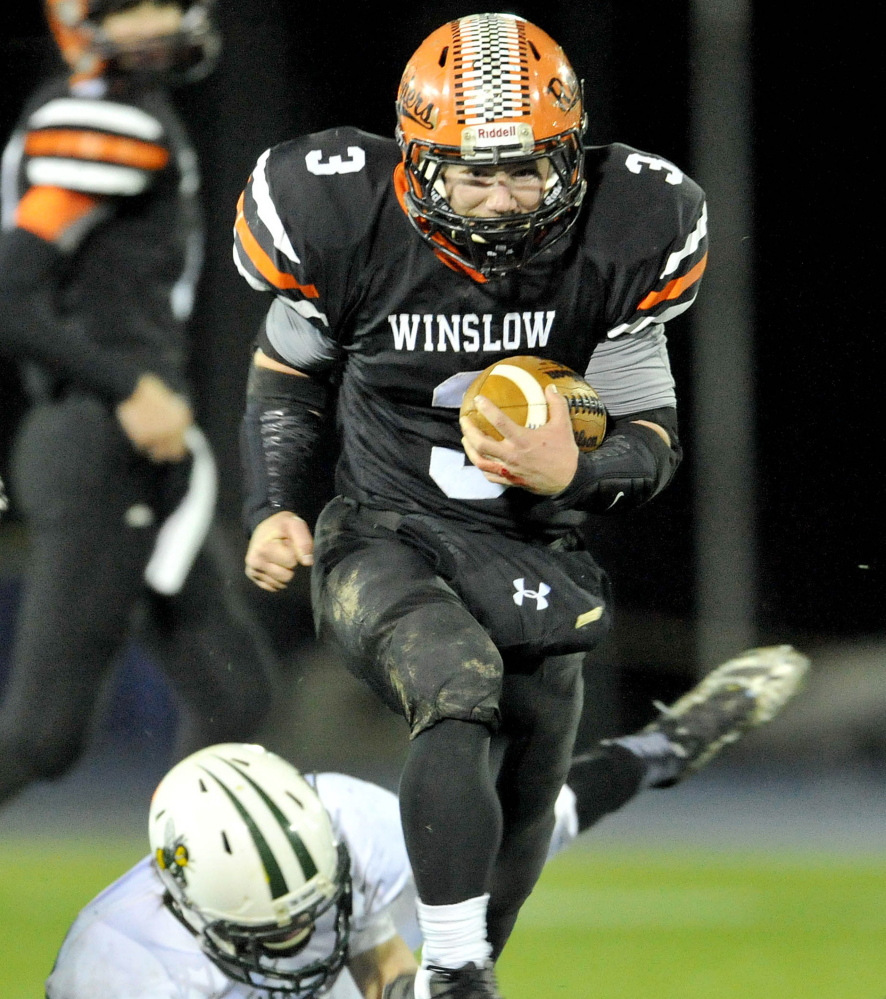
[[691, 245], [536, 404], [267, 212], [93, 178], [69, 112]]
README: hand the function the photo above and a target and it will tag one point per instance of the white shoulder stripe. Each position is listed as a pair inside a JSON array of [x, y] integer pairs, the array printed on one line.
[[666, 315], [68, 112], [691, 245], [259, 284], [9, 194], [267, 212], [91, 178]]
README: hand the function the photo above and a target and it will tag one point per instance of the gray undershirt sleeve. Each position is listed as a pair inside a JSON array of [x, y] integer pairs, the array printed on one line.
[[632, 373], [298, 341]]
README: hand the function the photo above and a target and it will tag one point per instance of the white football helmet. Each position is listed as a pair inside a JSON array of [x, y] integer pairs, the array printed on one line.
[[250, 863]]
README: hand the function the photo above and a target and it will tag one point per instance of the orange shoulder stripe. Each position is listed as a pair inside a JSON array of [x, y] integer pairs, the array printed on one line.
[[675, 288], [48, 211], [86, 145], [263, 263]]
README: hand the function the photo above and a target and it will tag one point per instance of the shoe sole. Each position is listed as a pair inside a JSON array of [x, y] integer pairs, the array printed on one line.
[[771, 676]]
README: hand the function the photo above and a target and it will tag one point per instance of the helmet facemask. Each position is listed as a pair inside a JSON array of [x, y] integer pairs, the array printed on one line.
[[261, 956], [183, 56], [493, 246]]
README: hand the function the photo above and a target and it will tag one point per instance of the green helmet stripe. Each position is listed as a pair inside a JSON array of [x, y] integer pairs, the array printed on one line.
[[276, 880], [309, 868]]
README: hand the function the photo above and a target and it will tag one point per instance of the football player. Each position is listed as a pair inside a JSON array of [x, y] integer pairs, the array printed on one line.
[[449, 566], [99, 256], [258, 884]]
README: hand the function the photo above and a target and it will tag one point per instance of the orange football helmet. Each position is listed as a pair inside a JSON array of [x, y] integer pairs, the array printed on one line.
[[490, 89], [188, 55]]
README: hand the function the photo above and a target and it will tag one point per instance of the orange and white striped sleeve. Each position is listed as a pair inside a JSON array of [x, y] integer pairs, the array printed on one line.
[[77, 153]]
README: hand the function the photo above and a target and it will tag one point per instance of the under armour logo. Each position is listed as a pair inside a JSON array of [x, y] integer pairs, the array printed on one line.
[[538, 595]]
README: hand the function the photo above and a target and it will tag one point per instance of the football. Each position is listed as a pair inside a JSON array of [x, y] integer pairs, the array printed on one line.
[[517, 386]]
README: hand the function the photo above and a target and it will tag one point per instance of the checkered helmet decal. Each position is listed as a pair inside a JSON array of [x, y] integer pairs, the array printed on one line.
[[491, 62]]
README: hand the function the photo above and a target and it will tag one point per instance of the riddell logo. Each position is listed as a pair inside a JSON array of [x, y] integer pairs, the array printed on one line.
[[488, 133]]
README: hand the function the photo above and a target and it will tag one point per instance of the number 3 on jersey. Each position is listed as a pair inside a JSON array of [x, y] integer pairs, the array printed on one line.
[[450, 469], [335, 164]]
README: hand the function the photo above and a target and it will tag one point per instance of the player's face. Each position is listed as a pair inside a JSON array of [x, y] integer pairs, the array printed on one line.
[[488, 192], [143, 22]]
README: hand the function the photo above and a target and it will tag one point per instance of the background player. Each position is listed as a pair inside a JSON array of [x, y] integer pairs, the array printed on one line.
[[400, 270], [253, 880], [99, 259]]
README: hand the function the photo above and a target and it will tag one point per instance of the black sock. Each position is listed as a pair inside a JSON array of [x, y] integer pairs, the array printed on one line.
[[603, 780], [450, 812]]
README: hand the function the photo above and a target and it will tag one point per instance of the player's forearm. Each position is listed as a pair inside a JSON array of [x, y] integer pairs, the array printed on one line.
[[633, 464], [279, 440], [381, 965], [32, 329]]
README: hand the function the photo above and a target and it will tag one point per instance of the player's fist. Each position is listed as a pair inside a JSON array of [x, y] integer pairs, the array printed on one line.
[[278, 544], [155, 419]]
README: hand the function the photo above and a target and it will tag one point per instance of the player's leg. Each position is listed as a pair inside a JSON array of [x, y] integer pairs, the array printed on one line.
[[217, 660], [737, 696], [407, 634], [82, 577], [541, 709]]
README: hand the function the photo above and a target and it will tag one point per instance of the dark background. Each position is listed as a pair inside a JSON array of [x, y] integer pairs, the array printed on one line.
[[818, 341]]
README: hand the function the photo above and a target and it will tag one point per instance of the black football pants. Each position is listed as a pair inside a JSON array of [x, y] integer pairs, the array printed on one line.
[[86, 496], [470, 828]]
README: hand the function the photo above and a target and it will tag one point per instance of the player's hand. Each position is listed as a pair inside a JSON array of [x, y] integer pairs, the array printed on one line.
[[542, 460], [155, 419], [279, 544]]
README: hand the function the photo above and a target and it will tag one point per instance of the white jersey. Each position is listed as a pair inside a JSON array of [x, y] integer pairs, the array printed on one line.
[[125, 944]]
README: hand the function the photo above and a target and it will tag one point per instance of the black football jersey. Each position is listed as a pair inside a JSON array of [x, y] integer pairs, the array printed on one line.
[[128, 268], [320, 225]]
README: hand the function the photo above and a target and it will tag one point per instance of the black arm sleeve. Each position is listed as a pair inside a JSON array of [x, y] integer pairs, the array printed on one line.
[[31, 328], [280, 437], [631, 465]]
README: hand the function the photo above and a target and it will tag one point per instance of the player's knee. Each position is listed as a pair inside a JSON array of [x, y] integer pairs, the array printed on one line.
[[445, 672]]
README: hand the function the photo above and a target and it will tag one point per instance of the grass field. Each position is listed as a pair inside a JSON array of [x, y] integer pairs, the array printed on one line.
[[602, 924]]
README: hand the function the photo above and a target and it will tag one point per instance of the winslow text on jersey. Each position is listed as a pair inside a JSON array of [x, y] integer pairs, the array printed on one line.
[[470, 332]]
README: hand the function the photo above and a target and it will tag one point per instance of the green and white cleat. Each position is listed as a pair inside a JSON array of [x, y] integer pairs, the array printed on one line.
[[742, 694]]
